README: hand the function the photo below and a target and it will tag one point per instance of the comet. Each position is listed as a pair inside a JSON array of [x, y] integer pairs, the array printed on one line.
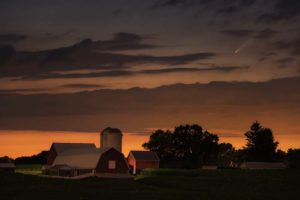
[[245, 44]]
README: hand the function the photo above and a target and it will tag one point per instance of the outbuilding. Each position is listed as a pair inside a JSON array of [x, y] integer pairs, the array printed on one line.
[[139, 160], [76, 162]]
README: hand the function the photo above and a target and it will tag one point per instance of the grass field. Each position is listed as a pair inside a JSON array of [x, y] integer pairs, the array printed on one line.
[[29, 169], [159, 184]]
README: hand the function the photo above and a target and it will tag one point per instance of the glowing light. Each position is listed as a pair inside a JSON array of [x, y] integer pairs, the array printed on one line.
[[245, 44]]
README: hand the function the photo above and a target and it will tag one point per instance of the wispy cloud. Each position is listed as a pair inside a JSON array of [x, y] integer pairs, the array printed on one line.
[[122, 73], [88, 54], [283, 10], [82, 86], [11, 38]]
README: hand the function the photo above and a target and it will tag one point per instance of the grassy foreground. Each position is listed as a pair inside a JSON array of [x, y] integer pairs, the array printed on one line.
[[159, 184], [29, 169]]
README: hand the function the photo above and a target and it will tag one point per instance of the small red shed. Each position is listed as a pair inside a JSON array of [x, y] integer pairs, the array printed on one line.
[[138, 160]]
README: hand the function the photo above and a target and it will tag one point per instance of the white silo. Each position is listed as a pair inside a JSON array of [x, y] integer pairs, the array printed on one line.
[[111, 137]]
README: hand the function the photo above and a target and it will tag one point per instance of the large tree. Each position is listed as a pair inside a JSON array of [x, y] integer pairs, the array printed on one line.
[[261, 145], [161, 142], [188, 144]]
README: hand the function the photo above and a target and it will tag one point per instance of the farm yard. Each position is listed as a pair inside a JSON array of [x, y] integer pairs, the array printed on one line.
[[33, 169], [158, 184]]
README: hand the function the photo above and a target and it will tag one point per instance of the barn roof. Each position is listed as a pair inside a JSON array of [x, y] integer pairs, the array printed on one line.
[[7, 165], [144, 155], [80, 158], [61, 147]]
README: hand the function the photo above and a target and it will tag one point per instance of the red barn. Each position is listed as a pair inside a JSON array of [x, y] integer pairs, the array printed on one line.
[[76, 162], [138, 160]]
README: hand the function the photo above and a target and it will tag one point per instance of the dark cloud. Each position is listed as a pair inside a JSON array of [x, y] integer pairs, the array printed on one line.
[[117, 12], [11, 38], [293, 46], [228, 10], [267, 55], [238, 33], [110, 73], [9, 91], [121, 41], [286, 60], [221, 6], [216, 102], [241, 33], [171, 3], [216, 68], [246, 3], [87, 54], [266, 34], [122, 73], [55, 36], [233, 6], [283, 10], [7, 54], [82, 86]]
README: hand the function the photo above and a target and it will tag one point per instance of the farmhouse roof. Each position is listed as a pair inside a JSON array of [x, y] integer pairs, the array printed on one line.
[[61, 147], [144, 155], [80, 158], [7, 165]]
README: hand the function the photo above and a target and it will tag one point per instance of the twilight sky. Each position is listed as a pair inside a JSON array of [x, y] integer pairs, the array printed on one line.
[[53, 51]]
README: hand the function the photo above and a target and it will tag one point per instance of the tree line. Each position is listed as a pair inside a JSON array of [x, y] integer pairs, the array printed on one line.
[[35, 159], [189, 146]]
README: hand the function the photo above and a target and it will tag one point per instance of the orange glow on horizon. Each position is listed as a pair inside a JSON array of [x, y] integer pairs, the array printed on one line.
[[26, 143]]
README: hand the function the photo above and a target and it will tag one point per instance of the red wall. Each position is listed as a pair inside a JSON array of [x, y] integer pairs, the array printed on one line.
[[112, 154], [139, 165], [147, 164]]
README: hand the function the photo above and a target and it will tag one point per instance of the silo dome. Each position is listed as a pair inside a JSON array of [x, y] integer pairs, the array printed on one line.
[[111, 137]]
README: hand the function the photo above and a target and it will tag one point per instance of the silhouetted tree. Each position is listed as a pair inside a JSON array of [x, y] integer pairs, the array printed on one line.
[[188, 144], [280, 155], [293, 158], [261, 145], [6, 159], [35, 159], [229, 157], [239, 157], [225, 155], [161, 142], [193, 145]]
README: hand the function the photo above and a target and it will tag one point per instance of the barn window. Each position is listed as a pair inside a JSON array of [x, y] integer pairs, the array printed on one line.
[[111, 164]]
